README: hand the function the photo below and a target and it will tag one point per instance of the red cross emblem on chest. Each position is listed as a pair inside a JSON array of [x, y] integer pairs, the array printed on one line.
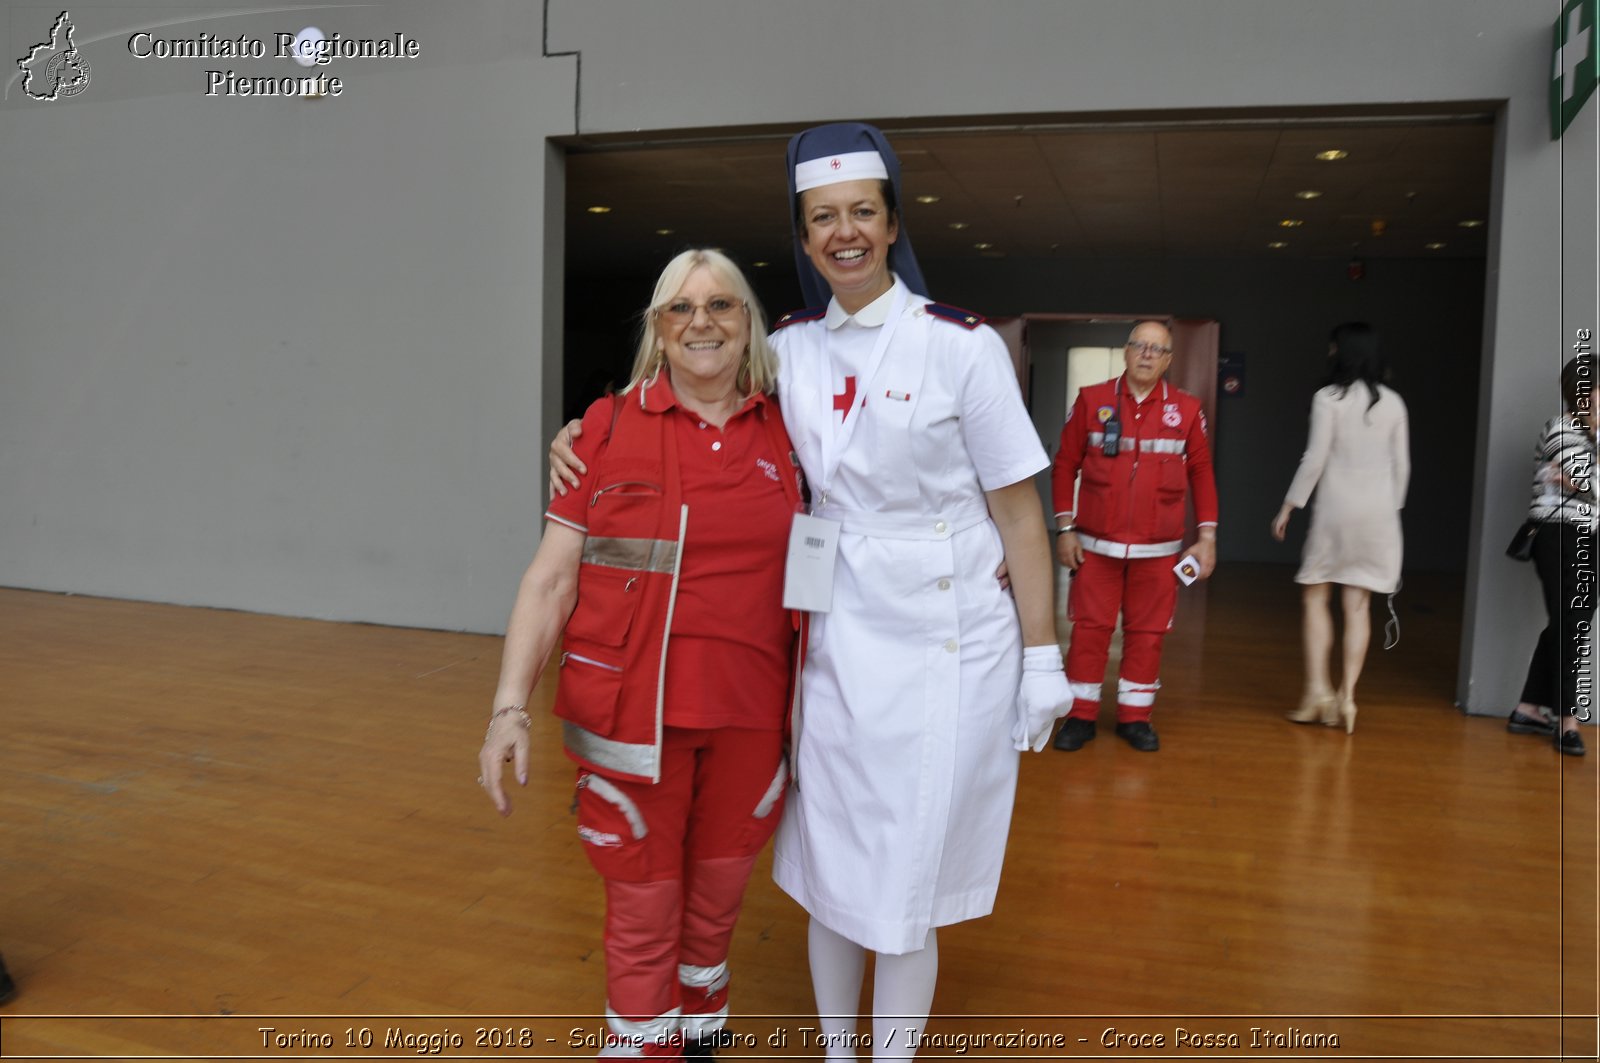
[[843, 401]]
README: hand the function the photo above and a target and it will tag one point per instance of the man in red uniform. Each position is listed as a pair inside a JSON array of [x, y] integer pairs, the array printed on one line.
[[1140, 445]]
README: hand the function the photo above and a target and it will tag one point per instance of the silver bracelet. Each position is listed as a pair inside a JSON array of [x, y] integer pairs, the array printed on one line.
[[523, 719]]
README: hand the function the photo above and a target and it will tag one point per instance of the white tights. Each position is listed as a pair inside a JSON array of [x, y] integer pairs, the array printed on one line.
[[902, 993]]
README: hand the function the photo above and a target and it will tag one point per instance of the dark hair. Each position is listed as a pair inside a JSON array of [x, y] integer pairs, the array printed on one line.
[[1577, 384], [885, 186], [1356, 356]]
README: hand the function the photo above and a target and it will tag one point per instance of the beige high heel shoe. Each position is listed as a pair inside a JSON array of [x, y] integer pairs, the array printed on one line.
[[1340, 711], [1313, 707]]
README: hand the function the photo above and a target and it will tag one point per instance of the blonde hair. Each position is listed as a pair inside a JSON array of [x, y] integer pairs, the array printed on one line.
[[758, 371]]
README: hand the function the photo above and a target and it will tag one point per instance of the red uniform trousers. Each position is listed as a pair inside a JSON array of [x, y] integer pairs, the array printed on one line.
[[1145, 591], [675, 857]]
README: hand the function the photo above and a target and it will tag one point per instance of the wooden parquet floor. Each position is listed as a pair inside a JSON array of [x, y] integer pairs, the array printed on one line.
[[214, 824]]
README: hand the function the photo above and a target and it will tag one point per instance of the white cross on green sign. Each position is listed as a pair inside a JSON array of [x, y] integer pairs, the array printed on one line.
[[1572, 77]]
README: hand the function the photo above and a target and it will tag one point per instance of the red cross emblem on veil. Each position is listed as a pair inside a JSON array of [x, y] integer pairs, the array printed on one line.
[[835, 164]]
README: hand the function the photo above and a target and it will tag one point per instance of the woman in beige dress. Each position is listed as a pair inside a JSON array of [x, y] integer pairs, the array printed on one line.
[[1358, 461]]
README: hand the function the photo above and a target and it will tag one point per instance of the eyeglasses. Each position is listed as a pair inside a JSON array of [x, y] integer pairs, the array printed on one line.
[[718, 308], [1140, 347]]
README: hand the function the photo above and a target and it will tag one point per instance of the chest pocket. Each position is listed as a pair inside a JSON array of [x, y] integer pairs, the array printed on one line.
[[594, 647], [624, 513], [910, 428], [1173, 478], [608, 602], [1166, 452], [1096, 467], [888, 447]]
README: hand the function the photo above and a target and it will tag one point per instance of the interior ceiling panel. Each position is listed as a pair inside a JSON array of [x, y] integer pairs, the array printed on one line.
[[1194, 191]]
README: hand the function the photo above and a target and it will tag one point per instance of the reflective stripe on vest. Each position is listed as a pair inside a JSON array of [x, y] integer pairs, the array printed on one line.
[[1146, 446], [635, 555], [632, 758], [666, 643]]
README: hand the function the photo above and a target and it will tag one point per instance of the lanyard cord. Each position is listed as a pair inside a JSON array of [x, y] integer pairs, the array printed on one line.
[[1391, 627]]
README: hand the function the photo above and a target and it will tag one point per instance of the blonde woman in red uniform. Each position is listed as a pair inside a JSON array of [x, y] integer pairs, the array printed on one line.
[[663, 575]]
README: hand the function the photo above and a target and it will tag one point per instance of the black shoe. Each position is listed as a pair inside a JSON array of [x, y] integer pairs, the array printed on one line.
[[1570, 743], [1073, 734], [1140, 735], [8, 988], [1522, 724]]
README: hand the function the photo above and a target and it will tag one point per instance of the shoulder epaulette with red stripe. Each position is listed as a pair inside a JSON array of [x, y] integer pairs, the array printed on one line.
[[955, 315], [810, 313]]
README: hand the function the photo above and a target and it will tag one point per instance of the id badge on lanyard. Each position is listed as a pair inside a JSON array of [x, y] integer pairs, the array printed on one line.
[[808, 571], [813, 539]]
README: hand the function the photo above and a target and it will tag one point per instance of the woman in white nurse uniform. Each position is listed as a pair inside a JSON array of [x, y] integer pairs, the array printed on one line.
[[911, 429]]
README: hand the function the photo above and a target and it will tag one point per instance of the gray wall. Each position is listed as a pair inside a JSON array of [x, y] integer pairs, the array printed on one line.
[[281, 354]]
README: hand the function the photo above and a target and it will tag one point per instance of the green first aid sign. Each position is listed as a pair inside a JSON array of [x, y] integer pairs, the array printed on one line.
[[1573, 74]]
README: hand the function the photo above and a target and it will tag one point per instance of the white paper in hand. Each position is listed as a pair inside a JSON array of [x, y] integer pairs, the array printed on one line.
[[1188, 569]]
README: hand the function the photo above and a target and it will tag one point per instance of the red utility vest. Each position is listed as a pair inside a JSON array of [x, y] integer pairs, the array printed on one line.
[[614, 648]]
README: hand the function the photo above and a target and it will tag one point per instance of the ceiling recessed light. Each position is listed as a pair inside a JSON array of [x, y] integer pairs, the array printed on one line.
[[1471, 223], [1435, 246], [665, 232], [927, 199], [761, 265], [1278, 245], [1333, 155], [958, 225], [1308, 193], [599, 210], [1291, 223], [983, 247]]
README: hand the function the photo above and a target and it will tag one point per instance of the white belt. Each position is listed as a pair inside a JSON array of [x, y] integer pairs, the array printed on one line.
[[905, 525], [1108, 548]]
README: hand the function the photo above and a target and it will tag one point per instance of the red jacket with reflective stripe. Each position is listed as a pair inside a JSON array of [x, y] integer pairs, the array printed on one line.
[[1137, 496]]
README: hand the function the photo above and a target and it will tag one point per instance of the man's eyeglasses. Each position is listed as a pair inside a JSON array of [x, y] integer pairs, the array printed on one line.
[[1140, 347], [718, 308]]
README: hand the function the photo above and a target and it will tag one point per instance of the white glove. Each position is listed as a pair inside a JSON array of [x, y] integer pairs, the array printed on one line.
[[1043, 696]]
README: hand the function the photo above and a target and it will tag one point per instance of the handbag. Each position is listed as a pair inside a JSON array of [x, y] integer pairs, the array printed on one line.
[[1521, 548]]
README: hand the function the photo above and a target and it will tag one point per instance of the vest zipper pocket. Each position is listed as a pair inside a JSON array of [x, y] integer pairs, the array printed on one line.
[[589, 695], [565, 657], [652, 489]]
